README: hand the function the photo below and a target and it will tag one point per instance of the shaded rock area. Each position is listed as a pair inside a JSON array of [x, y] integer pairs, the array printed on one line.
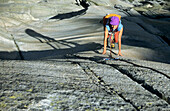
[[51, 56]]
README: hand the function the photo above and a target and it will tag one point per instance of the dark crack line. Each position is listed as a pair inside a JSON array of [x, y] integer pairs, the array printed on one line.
[[136, 65], [20, 53], [143, 84], [101, 83]]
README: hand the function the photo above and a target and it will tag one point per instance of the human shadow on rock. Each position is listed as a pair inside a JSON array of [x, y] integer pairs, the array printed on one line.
[[38, 36], [57, 52], [46, 39]]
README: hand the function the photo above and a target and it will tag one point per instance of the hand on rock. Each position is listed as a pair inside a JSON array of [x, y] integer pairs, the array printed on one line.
[[104, 52], [120, 54]]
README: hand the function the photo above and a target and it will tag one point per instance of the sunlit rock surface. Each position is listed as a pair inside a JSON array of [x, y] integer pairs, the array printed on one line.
[[51, 56]]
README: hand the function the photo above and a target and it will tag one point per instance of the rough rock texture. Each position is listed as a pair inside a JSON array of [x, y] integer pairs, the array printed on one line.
[[51, 59], [84, 84]]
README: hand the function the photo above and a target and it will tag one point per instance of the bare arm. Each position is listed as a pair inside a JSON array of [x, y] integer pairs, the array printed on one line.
[[119, 43], [105, 39]]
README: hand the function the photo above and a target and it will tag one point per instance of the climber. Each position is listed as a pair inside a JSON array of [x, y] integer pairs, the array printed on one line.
[[112, 24]]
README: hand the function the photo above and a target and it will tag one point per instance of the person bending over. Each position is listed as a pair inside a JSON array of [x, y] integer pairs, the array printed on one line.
[[112, 24]]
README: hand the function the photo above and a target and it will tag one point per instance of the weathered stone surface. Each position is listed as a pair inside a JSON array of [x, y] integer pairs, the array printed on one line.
[[53, 86], [140, 93], [82, 84], [59, 66]]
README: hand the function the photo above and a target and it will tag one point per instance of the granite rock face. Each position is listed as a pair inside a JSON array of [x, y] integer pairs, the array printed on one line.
[[51, 56], [79, 83], [44, 22]]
